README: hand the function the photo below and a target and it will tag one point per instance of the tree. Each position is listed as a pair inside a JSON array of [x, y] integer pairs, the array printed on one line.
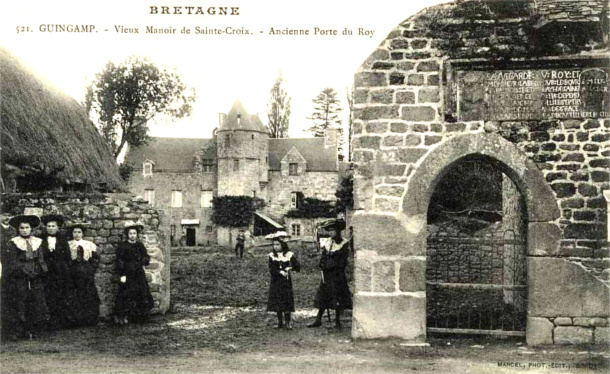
[[327, 108], [123, 98], [345, 194], [278, 110]]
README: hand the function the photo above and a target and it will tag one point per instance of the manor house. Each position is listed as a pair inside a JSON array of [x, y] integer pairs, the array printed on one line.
[[182, 175]]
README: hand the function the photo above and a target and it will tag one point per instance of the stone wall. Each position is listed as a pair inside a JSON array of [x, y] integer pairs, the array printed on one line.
[[406, 136], [251, 149], [107, 214], [321, 185], [191, 184]]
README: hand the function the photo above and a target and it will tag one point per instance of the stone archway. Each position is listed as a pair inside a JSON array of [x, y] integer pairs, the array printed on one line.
[[390, 268], [541, 206]]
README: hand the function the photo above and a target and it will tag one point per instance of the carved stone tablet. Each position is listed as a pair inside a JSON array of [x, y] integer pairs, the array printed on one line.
[[533, 94]]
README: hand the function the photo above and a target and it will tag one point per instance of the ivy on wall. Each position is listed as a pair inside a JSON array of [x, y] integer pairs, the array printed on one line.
[[310, 207], [235, 210]]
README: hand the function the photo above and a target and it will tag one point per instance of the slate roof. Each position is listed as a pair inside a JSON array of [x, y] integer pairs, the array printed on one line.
[[571, 10], [176, 154], [170, 154], [312, 149], [239, 119]]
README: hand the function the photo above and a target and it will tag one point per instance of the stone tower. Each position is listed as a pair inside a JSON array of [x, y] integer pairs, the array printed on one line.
[[243, 151]]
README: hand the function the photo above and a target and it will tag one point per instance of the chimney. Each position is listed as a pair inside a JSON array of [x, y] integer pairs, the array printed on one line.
[[221, 119], [330, 137]]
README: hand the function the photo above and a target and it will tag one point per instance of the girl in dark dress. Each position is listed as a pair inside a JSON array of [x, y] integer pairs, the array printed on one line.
[[281, 264], [59, 288], [25, 268], [84, 261], [133, 299], [333, 292]]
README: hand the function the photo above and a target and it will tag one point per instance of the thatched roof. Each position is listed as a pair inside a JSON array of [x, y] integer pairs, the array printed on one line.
[[44, 129]]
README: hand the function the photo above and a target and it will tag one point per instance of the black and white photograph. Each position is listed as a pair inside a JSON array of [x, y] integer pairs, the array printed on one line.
[[268, 186]]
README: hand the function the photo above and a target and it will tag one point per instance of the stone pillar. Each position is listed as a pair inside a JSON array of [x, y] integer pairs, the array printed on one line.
[[513, 228]]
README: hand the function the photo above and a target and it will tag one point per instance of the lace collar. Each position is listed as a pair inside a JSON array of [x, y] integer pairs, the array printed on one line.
[[21, 242]]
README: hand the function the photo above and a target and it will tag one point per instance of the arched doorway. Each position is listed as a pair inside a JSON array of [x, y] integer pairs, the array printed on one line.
[[540, 207], [476, 267]]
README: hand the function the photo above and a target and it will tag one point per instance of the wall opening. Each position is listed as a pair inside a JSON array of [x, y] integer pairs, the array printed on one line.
[[476, 277]]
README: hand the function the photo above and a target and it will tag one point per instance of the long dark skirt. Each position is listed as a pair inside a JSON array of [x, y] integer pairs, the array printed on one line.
[[60, 295], [281, 297], [134, 298], [87, 308], [334, 292], [27, 308]]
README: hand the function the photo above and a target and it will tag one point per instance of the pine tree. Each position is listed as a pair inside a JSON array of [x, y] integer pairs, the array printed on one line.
[[326, 110], [278, 110]]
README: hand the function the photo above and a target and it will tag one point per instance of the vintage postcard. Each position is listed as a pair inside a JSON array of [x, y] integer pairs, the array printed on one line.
[[269, 186]]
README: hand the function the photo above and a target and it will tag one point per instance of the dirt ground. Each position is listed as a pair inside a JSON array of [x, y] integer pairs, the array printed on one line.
[[218, 324]]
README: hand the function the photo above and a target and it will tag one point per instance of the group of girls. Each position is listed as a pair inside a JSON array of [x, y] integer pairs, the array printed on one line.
[[48, 282], [333, 291]]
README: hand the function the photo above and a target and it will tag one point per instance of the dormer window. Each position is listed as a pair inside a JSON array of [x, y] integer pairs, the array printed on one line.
[[293, 168], [147, 168]]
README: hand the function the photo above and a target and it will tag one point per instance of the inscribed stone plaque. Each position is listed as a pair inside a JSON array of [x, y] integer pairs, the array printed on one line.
[[533, 94]]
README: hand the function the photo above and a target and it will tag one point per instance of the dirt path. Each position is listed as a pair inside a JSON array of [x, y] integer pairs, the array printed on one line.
[[238, 337], [199, 339]]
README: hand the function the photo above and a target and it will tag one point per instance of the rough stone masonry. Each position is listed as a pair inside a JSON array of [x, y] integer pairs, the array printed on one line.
[[413, 120], [107, 215]]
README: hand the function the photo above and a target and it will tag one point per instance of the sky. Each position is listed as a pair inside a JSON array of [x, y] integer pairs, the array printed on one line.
[[221, 68]]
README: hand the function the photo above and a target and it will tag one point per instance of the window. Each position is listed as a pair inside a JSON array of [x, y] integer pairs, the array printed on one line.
[[235, 165], [207, 165], [147, 168], [206, 199], [172, 230], [209, 228], [149, 195], [176, 199], [295, 229], [294, 198], [227, 140], [293, 168]]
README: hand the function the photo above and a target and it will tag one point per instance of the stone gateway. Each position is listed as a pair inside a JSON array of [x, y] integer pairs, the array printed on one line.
[[522, 86]]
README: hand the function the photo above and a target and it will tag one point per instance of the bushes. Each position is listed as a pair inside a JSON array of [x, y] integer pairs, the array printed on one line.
[[310, 207], [235, 210]]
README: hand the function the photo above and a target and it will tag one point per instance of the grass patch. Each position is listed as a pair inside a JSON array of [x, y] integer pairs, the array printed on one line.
[[214, 276]]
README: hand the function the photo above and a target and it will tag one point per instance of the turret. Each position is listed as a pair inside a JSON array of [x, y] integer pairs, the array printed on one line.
[[243, 148]]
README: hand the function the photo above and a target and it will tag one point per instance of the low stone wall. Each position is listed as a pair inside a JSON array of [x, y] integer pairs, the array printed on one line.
[[568, 330], [107, 214]]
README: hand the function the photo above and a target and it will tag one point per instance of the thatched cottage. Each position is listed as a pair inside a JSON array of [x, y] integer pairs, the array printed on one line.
[[45, 134]]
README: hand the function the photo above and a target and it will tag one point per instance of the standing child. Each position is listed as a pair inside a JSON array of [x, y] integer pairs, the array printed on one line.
[[133, 299], [59, 287], [282, 262], [333, 291], [25, 266], [84, 261]]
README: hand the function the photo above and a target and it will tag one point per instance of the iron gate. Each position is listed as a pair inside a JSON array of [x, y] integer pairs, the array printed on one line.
[[476, 284]]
